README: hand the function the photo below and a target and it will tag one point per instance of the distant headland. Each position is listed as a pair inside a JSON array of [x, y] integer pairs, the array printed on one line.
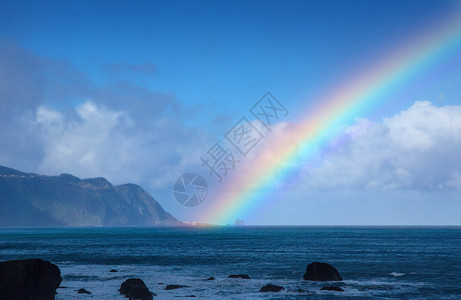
[[28, 199]]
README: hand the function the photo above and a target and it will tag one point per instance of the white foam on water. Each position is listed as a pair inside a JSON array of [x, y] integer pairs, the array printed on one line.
[[104, 285]]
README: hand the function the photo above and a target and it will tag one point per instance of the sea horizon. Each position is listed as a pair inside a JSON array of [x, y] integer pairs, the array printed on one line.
[[379, 262], [239, 226]]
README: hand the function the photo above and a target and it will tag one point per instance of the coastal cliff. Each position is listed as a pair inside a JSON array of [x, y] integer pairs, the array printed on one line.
[[28, 199]]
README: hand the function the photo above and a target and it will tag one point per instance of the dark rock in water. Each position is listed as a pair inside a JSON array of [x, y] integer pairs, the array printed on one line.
[[83, 291], [301, 291], [135, 288], [332, 288], [29, 279], [211, 278], [271, 288], [113, 271], [318, 271], [175, 286], [243, 276]]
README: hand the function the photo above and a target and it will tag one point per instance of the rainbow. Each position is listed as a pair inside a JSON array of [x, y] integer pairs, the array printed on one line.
[[240, 195]]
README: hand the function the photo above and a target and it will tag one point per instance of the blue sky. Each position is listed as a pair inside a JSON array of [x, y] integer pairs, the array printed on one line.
[[220, 51], [136, 90]]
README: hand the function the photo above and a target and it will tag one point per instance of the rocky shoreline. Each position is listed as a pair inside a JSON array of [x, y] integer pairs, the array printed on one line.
[[38, 280]]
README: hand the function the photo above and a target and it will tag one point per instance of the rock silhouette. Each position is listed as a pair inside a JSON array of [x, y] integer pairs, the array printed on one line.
[[135, 288], [318, 271], [29, 279], [271, 288], [175, 286], [83, 291], [243, 276]]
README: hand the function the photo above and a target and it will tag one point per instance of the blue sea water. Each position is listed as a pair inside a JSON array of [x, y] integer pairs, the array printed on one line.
[[375, 263]]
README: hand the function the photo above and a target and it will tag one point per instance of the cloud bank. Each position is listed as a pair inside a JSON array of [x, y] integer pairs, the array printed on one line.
[[55, 119], [99, 140], [418, 148]]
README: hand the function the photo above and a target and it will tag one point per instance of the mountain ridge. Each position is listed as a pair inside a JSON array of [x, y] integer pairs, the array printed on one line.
[[29, 199]]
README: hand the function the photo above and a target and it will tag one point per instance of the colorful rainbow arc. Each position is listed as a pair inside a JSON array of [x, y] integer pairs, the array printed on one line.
[[240, 195]]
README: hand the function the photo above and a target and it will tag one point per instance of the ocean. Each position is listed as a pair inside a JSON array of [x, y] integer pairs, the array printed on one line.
[[375, 262]]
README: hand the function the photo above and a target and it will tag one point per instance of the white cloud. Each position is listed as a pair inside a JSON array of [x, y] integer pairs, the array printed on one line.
[[419, 148], [415, 149], [99, 141]]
